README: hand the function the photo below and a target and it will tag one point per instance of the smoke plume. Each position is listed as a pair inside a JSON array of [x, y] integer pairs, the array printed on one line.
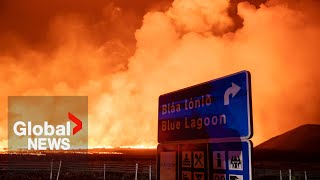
[[123, 57]]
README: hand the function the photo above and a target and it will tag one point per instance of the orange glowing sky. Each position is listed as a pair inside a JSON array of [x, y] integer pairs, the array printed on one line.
[[123, 56]]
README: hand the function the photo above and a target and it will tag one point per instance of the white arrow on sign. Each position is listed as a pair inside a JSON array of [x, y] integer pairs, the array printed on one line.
[[234, 89]]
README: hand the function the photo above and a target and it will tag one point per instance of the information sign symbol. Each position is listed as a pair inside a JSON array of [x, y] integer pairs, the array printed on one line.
[[219, 176], [198, 159], [235, 177], [186, 159], [186, 175], [235, 160], [198, 176], [219, 160]]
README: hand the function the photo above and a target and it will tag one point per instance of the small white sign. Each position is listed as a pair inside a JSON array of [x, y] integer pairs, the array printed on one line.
[[235, 177], [235, 160], [198, 176], [168, 165], [217, 176], [186, 175], [186, 159], [198, 159], [219, 160]]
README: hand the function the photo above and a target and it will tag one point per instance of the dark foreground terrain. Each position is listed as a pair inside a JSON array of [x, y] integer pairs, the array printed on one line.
[[296, 152], [118, 164], [123, 166]]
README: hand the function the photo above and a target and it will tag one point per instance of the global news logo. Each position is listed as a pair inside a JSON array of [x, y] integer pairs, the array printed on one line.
[[47, 136]]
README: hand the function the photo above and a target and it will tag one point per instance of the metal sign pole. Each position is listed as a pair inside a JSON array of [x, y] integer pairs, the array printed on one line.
[[51, 169], [59, 171], [150, 171], [305, 175], [289, 174], [104, 171], [136, 177], [280, 175]]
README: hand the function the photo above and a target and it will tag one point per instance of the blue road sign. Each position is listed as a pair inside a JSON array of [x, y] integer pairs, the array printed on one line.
[[220, 108], [202, 161], [230, 160]]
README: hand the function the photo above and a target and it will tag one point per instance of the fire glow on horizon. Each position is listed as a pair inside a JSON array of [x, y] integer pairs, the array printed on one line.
[[123, 66]]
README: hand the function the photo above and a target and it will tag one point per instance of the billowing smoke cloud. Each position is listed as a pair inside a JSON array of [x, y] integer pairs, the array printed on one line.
[[188, 43], [66, 48]]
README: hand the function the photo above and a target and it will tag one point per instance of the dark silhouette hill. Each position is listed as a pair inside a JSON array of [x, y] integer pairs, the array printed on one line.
[[305, 138], [301, 144]]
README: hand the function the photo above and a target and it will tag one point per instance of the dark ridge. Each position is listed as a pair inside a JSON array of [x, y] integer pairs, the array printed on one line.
[[301, 144], [305, 138]]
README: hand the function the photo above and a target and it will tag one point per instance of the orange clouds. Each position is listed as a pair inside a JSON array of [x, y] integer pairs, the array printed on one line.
[[189, 43]]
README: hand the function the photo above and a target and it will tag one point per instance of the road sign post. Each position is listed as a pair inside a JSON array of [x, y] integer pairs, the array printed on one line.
[[201, 161], [203, 131], [219, 108]]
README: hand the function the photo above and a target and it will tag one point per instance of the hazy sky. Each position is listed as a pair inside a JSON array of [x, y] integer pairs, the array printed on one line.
[[123, 56]]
